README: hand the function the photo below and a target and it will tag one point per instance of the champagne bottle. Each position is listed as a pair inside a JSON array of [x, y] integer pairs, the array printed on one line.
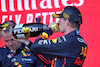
[[28, 30]]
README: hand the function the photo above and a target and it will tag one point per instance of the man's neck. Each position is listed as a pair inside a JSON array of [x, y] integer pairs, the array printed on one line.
[[14, 51], [70, 30]]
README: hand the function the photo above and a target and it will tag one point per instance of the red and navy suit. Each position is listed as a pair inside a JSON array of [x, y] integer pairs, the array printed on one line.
[[66, 51], [22, 58]]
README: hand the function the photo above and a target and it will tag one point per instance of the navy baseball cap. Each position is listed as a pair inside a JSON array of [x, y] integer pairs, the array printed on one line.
[[71, 13]]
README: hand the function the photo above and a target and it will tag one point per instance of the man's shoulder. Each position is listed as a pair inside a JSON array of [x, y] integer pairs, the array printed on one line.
[[3, 51]]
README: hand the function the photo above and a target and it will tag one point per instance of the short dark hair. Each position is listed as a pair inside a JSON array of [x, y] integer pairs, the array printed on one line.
[[8, 28], [6, 22], [75, 25]]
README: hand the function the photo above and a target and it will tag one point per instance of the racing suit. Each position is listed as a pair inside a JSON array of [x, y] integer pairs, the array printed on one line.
[[22, 58], [66, 51]]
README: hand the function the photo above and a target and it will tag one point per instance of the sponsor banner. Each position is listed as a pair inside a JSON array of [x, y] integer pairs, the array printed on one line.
[[26, 11]]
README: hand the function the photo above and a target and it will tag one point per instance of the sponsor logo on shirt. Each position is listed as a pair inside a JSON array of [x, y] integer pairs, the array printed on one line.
[[81, 40]]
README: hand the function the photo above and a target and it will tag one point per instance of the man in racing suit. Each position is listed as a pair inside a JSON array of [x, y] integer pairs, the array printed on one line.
[[16, 54], [66, 51]]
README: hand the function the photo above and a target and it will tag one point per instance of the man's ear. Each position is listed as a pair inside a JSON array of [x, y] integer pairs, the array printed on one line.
[[67, 22]]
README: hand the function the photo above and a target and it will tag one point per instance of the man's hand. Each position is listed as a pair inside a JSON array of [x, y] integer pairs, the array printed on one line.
[[26, 41], [54, 26]]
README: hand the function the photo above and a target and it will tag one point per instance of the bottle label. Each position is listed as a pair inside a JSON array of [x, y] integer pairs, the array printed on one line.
[[28, 30], [18, 31]]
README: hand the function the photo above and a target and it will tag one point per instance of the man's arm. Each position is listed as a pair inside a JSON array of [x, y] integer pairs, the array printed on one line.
[[52, 47], [55, 47]]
